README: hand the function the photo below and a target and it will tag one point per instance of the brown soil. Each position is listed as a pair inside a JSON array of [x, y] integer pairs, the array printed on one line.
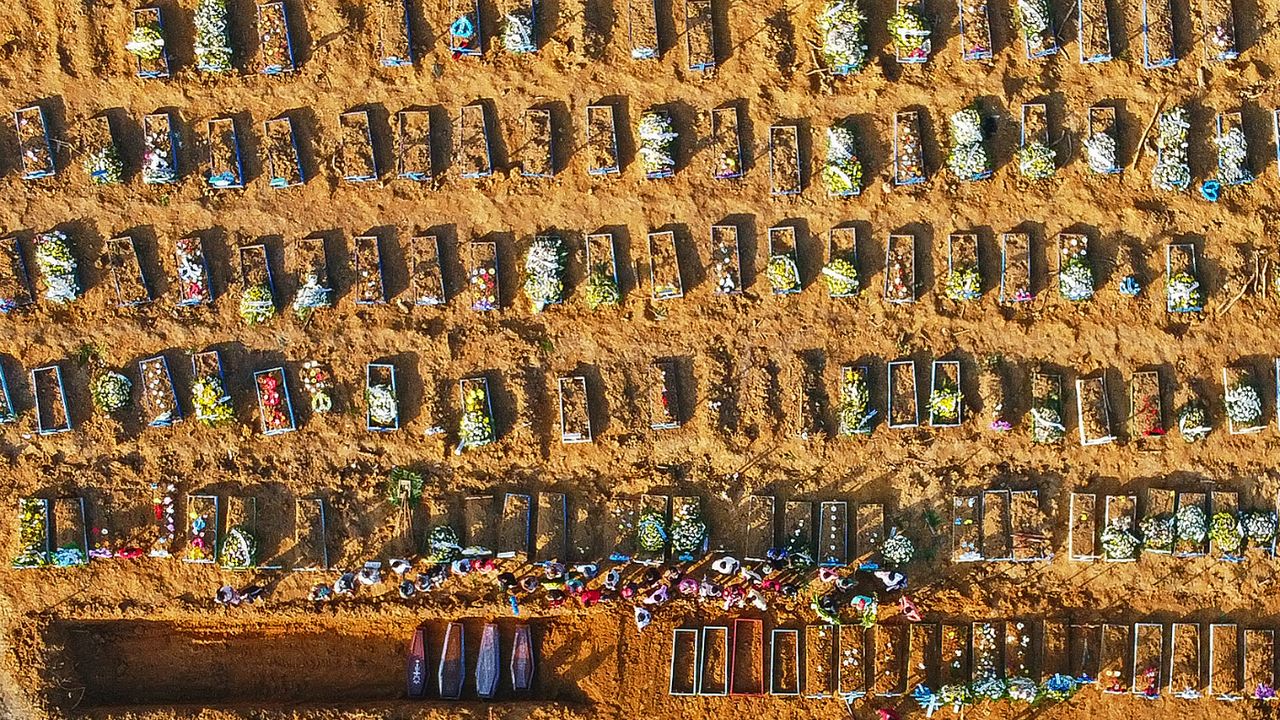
[[976, 40], [126, 271], [924, 661], [784, 159], [159, 397], [851, 659], [602, 138], [903, 395], [1185, 663], [996, 537], [1015, 282], [900, 271], [15, 282], [890, 660], [1159, 30], [355, 147], [1086, 521], [1095, 419], [642, 24], [1094, 29], [414, 142], [368, 267], [1057, 649], [1224, 660], [700, 32], [955, 654], [280, 156], [538, 159], [870, 532], [684, 661], [908, 151]]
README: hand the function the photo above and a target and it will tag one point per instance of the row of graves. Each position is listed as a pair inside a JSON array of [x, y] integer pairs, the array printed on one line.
[[856, 411], [418, 158], [841, 26], [546, 265], [957, 664], [223, 530], [1183, 524]]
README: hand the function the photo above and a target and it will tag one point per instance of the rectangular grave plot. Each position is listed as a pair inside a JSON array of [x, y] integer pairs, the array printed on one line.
[[380, 379], [1232, 171], [538, 159], [1146, 406], [366, 260], [713, 661], [601, 259], [797, 527], [956, 666], [811, 400], [699, 36], [1055, 643], [944, 385], [841, 270], [661, 505], [962, 262], [784, 662], [34, 534], [1180, 262], [126, 272], [1086, 652], [551, 540], [280, 147], [1234, 379], [1225, 502], [149, 20], [833, 533], [413, 145], [908, 152], [726, 262], [275, 408], [996, 525], [642, 29], [36, 150], [1184, 661], [1035, 123], [760, 527], [275, 44], [1019, 650], [1218, 27], [482, 276], [467, 44], [70, 532], [575, 421], [683, 509], [1102, 120], [784, 160], [746, 665], [684, 662], [159, 399], [1122, 512], [783, 248], [856, 416], [513, 532], [924, 655], [479, 524], [311, 541], [1259, 663], [240, 512], [900, 269], [51, 400], [665, 281], [602, 140], [1157, 34], [988, 651], [104, 165], [975, 30], [620, 531], [904, 412], [1148, 660], [1093, 411], [311, 265], [1082, 535], [473, 157], [1115, 665], [851, 661], [1191, 540], [1161, 503], [8, 412], [15, 282], [395, 41], [207, 365], [1094, 31], [426, 281], [869, 535], [819, 660], [1041, 42], [918, 54], [225, 167], [160, 166], [356, 160], [664, 394], [1224, 662], [1031, 540], [726, 138], [1046, 395], [965, 529], [201, 529], [1015, 268], [254, 269], [194, 286], [889, 663]]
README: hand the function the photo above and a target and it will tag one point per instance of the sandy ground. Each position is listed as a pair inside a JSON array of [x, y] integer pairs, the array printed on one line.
[[748, 350]]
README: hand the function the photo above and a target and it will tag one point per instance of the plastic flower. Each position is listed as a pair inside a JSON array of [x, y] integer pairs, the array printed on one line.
[[855, 414], [602, 289], [517, 34], [1189, 523], [910, 33], [311, 295], [1185, 293], [1226, 533], [104, 165], [384, 410], [239, 550], [1172, 171], [256, 304], [963, 283], [1243, 404], [1036, 161], [968, 159], [898, 548], [841, 277], [1193, 422], [212, 403], [1100, 153], [944, 402], [57, 266], [442, 545], [213, 37], [1075, 278], [1259, 526], [688, 534], [476, 427], [1118, 543], [782, 273], [657, 144], [843, 170], [110, 391], [146, 41], [1233, 158], [1157, 532], [651, 532]]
